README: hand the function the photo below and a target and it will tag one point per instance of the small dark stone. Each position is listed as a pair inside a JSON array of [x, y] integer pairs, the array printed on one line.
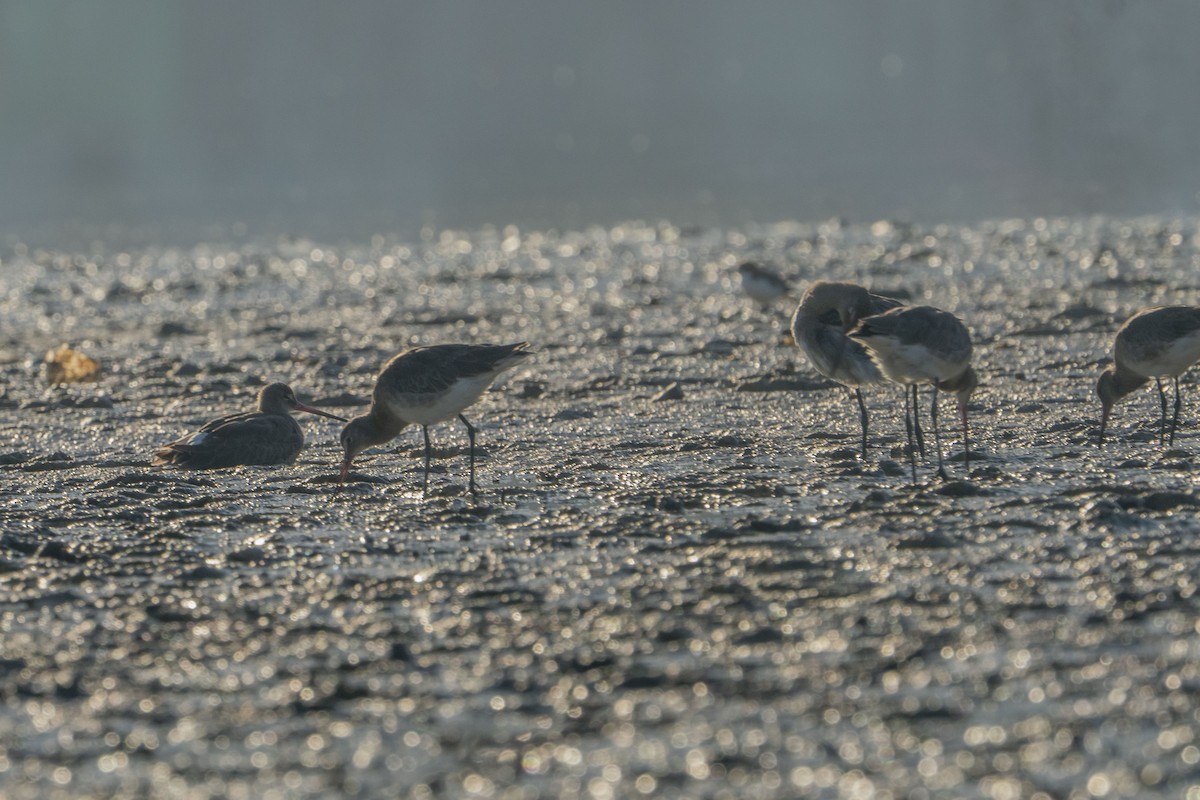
[[761, 636], [248, 555], [1165, 501], [531, 390], [573, 413], [173, 328], [959, 489], [733, 440], [202, 573], [60, 552], [932, 540]]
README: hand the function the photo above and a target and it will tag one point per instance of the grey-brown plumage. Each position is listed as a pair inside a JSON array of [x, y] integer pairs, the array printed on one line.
[[915, 345], [1159, 342], [826, 311], [424, 386], [267, 436]]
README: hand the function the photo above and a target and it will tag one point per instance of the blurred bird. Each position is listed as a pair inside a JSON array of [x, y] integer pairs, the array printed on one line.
[[764, 285], [826, 311], [1160, 342], [920, 344]]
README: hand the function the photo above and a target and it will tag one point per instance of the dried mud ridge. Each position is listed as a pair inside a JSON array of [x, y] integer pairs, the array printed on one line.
[[679, 579]]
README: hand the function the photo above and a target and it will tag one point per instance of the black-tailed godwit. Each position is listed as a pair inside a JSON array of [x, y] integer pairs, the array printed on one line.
[[424, 386], [826, 312], [1160, 342], [915, 345], [267, 436]]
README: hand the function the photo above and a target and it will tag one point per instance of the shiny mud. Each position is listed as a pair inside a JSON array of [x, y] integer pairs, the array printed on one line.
[[678, 579]]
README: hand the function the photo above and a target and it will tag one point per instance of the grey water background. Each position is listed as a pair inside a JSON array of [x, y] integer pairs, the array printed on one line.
[[342, 120]]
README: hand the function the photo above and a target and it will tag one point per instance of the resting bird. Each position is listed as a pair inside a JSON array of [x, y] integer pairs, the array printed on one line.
[[826, 311], [266, 436], [920, 344]]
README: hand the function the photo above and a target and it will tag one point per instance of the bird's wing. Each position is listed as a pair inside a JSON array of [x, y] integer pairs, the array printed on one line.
[[239, 439], [433, 370]]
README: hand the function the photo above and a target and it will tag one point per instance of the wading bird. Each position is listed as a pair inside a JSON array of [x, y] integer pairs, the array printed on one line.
[[915, 345], [1160, 342], [426, 385], [826, 312]]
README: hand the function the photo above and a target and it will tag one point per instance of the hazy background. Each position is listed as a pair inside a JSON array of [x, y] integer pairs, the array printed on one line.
[[341, 119]]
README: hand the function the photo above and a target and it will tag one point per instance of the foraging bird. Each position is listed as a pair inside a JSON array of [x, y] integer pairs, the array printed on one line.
[[426, 385], [826, 311], [763, 284], [267, 436], [914, 345], [1160, 342]]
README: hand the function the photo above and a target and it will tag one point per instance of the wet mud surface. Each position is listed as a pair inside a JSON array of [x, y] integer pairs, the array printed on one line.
[[678, 579]]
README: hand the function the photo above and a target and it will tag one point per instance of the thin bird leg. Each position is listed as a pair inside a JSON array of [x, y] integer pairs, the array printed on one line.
[[916, 403], [937, 437], [1162, 420], [1175, 416], [908, 430], [471, 439], [966, 439], [428, 452], [862, 416]]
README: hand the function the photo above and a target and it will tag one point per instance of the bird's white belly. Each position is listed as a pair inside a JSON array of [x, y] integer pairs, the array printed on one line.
[[913, 363], [427, 409], [1174, 360]]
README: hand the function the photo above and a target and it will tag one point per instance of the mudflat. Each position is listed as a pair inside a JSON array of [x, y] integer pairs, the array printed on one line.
[[678, 580]]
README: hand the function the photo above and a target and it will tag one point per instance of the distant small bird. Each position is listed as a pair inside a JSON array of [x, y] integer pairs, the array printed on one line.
[[426, 385], [763, 284], [1160, 342], [826, 311], [267, 436], [920, 344]]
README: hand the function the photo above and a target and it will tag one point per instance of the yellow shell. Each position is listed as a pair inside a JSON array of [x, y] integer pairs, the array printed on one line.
[[64, 365]]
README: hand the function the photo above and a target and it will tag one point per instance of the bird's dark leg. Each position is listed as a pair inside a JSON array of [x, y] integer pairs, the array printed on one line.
[[1175, 415], [937, 436], [428, 452], [862, 416], [908, 430], [1162, 420], [471, 439], [916, 405], [966, 439]]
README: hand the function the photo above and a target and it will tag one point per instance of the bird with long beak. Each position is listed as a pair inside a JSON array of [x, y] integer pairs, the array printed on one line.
[[916, 345], [1160, 342], [424, 386], [267, 436]]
